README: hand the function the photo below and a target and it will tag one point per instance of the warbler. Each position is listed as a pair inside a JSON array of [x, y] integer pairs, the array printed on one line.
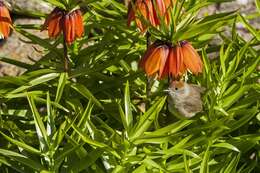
[[184, 99]]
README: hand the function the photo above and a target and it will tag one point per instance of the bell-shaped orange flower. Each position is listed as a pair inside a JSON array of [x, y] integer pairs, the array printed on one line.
[[54, 22], [71, 24], [155, 59], [149, 10], [165, 60], [191, 58], [142, 10], [162, 8], [5, 21]]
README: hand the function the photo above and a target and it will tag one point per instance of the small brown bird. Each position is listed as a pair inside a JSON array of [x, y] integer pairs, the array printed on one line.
[[184, 99]]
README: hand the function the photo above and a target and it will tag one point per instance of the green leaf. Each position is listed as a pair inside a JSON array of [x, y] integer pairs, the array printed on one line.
[[128, 111], [257, 3], [22, 159], [86, 93], [146, 119], [39, 80], [249, 27], [60, 87], [204, 167], [50, 120], [56, 3], [40, 129], [232, 166], [21, 144], [16, 63], [226, 145], [88, 140]]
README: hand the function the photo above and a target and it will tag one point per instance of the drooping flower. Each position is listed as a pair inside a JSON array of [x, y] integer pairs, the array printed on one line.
[[164, 59], [69, 23], [154, 60], [163, 7], [191, 58], [150, 11], [142, 10], [5, 21], [54, 22]]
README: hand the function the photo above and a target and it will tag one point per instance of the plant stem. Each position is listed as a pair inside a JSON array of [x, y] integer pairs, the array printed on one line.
[[65, 48], [65, 52]]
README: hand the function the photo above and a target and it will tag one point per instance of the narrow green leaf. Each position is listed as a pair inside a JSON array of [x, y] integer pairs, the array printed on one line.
[[40, 129], [86, 93], [226, 145], [61, 85], [249, 27], [56, 3], [39, 80], [257, 3], [50, 120], [22, 159], [88, 140], [204, 167], [146, 119], [16, 63], [21, 144], [232, 166], [128, 110]]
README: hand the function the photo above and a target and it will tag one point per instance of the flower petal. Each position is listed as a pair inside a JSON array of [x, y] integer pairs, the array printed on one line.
[[67, 29], [163, 59], [79, 29], [192, 59], [72, 25], [5, 21]]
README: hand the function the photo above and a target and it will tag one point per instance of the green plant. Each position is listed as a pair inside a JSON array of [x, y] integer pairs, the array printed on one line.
[[103, 116]]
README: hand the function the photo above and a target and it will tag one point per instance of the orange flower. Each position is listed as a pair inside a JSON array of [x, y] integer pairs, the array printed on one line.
[[143, 10], [146, 10], [163, 6], [71, 24], [167, 60], [53, 22], [5, 21], [191, 58]]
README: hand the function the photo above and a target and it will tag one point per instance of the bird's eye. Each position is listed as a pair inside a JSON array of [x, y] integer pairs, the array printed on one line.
[[176, 88]]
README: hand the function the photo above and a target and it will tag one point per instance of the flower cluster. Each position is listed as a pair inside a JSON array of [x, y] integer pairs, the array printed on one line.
[[5, 21], [167, 60], [150, 11], [70, 23]]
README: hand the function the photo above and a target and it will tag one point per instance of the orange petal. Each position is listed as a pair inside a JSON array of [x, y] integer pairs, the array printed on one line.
[[180, 61], [162, 7], [156, 61], [50, 17], [72, 24], [163, 59], [148, 52], [165, 72], [173, 69], [5, 20], [152, 64], [141, 8], [191, 58], [67, 29], [79, 29], [53, 22], [150, 10], [54, 26]]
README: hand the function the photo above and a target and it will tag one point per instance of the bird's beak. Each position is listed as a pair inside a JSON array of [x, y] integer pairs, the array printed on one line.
[[166, 90]]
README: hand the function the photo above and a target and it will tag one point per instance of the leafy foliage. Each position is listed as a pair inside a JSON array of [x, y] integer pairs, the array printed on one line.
[[103, 116]]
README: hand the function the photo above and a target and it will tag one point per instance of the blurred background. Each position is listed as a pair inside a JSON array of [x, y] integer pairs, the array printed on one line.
[[33, 11]]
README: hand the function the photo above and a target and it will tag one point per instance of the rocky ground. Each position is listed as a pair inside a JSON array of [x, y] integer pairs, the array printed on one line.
[[15, 48]]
